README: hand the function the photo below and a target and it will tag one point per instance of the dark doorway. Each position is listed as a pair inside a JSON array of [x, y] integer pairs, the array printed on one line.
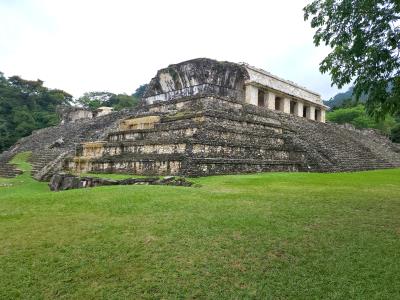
[[305, 108], [261, 97], [293, 106], [278, 103]]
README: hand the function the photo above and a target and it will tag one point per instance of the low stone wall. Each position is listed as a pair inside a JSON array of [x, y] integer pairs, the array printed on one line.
[[63, 182], [140, 165]]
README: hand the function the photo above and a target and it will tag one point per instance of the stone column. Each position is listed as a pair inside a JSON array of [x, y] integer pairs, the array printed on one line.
[[298, 109], [311, 113], [251, 94], [307, 111], [286, 105], [266, 96], [318, 114], [271, 100], [323, 115]]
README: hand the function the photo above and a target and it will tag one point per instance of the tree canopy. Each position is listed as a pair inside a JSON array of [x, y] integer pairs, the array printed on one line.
[[94, 100], [140, 91], [26, 106], [365, 39]]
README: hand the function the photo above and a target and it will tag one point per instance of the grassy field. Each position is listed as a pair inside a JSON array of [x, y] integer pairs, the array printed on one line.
[[263, 236]]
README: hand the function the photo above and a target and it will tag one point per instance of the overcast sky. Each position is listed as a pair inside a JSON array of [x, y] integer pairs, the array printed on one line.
[[84, 45]]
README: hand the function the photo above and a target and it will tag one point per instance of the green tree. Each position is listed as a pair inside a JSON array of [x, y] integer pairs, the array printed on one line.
[[140, 91], [26, 105], [121, 101], [395, 133], [94, 100], [365, 39]]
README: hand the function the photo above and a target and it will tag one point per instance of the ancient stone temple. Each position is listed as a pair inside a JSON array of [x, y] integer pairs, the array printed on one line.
[[238, 81], [204, 117]]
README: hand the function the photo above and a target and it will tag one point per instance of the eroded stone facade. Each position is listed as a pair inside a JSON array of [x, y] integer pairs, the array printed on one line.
[[71, 114], [197, 77]]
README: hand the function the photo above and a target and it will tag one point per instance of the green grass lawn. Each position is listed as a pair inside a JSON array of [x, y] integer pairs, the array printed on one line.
[[262, 236]]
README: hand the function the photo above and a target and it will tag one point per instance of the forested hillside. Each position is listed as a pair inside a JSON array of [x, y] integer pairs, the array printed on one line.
[[341, 99], [26, 106], [345, 109]]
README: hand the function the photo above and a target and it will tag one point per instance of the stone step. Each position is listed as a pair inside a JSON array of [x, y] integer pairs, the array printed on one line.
[[187, 132], [176, 146], [9, 171], [41, 158]]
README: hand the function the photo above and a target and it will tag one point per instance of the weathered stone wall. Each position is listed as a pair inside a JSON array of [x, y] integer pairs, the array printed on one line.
[[70, 114], [197, 77], [139, 123]]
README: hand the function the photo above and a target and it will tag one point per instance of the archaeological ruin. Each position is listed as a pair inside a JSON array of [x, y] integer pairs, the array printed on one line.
[[205, 117]]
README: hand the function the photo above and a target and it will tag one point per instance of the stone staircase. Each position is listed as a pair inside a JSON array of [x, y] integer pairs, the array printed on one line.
[[331, 148], [8, 170], [40, 144], [40, 159]]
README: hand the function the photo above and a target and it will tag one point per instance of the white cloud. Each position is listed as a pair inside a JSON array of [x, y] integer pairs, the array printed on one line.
[[117, 45]]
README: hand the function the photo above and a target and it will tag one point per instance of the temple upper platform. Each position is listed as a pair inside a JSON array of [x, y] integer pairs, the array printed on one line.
[[241, 81]]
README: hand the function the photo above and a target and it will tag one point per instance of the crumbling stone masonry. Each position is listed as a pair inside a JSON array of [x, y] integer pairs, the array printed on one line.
[[204, 117], [71, 114]]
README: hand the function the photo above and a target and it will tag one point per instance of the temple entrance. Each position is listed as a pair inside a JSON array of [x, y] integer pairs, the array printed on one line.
[[293, 107], [305, 111], [278, 104]]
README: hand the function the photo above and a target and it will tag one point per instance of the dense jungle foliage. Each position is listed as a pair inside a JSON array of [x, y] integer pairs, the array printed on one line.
[[26, 106]]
